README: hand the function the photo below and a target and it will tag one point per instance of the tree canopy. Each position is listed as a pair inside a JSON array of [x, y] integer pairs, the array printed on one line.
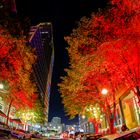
[[16, 60], [104, 52], [34, 115]]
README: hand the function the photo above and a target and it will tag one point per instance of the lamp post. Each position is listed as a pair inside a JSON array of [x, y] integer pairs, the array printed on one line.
[[105, 92], [111, 109]]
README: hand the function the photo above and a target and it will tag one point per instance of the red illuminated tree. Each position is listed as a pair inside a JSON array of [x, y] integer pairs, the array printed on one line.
[[104, 51], [16, 59], [71, 88]]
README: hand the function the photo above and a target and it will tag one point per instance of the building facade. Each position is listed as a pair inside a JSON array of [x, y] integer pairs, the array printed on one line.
[[127, 112], [41, 38]]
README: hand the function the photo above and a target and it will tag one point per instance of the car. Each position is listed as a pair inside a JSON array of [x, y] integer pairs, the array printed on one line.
[[36, 135], [5, 133], [88, 136], [71, 136], [93, 136], [64, 135], [83, 136], [17, 134], [26, 134], [127, 135]]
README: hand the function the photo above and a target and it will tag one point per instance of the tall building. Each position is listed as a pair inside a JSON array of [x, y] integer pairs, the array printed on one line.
[[56, 120], [41, 38]]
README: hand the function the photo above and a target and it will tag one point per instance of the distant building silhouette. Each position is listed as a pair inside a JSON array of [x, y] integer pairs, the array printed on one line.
[[41, 38], [56, 120]]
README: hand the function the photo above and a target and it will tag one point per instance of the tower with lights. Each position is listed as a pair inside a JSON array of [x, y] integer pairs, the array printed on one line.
[[41, 38]]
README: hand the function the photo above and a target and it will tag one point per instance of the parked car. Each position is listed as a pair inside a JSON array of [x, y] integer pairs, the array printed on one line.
[[71, 136], [35, 135], [83, 136], [26, 134], [93, 136], [17, 134], [88, 136], [78, 135], [5, 133], [127, 135]]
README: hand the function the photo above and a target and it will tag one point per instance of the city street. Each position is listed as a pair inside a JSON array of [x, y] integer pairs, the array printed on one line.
[[70, 70], [47, 139], [27, 139]]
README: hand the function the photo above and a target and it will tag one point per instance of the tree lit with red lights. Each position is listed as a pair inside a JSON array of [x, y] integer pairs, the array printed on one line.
[[17, 86], [104, 52], [16, 59]]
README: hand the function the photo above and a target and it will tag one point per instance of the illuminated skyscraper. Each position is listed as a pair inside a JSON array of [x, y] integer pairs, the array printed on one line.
[[41, 38]]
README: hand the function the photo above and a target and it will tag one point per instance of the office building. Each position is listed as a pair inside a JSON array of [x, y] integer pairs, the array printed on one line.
[[41, 38]]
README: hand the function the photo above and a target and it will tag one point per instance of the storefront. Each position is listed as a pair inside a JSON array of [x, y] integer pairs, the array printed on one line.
[[130, 109], [2, 119]]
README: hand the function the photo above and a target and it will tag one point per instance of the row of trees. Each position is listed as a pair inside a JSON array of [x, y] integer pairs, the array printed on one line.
[[104, 52], [16, 61]]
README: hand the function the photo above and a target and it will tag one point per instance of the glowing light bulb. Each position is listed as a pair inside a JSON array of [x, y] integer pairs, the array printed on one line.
[[104, 91], [1, 86], [83, 116]]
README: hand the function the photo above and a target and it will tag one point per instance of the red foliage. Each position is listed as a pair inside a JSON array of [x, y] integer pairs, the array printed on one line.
[[117, 34], [22, 98], [13, 63]]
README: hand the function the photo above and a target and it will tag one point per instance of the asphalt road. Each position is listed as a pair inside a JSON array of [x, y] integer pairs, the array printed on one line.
[[44, 138], [47, 139]]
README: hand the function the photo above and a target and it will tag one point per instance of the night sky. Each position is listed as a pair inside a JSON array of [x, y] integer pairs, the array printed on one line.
[[64, 15]]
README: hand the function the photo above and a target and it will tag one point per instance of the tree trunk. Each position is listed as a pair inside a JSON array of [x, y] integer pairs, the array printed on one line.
[[111, 119], [96, 127], [112, 129], [114, 114], [9, 108]]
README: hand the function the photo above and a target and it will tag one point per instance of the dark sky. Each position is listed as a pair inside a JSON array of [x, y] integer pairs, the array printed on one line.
[[64, 15]]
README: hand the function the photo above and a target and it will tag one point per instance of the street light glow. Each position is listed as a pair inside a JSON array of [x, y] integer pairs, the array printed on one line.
[[104, 91], [83, 117], [1, 86]]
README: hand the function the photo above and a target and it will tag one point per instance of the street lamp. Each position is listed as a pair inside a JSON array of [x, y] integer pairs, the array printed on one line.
[[1, 86], [104, 91], [83, 116]]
